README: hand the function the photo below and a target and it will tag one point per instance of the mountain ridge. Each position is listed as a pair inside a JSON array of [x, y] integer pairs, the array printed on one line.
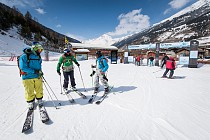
[[179, 27]]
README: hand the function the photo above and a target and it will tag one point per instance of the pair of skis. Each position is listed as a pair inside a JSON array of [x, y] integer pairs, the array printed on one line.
[[70, 98], [29, 118], [100, 100]]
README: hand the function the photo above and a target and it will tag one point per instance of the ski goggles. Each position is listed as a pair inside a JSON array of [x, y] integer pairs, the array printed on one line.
[[66, 51], [37, 47]]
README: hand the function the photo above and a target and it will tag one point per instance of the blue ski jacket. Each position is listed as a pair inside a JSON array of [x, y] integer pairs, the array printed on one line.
[[29, 67], [102, 64]]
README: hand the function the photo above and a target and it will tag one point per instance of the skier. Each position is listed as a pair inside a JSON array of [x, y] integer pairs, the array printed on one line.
[[138, 58], [163, 61], [31, 71], [101, 68], [66, 60], [151, 59], [170, 65], [141, 61]]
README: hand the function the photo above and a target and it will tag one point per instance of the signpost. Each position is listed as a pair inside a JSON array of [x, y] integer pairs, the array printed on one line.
[[46, 52], [114, 57], [125, 57], [193, 54], [157, 54]]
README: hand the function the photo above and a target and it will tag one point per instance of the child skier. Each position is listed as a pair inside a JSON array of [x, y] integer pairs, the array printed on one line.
[[101, 68]]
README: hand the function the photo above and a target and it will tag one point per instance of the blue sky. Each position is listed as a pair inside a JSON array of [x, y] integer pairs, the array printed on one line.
[[89, 19]]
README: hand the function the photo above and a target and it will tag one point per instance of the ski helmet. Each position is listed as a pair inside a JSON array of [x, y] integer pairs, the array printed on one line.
[[66, 50], [36, 46], [99, 53]]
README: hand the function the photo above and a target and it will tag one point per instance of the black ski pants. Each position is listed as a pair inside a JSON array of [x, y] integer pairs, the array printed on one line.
[[66, 79], [171, 73]]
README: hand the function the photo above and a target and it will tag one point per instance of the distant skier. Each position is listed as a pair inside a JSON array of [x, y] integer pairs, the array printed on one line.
[[101, 68], [163, 61], [31, 71], [141, 61], [66, 60], [138, 58], [151, 59], [170, 65]]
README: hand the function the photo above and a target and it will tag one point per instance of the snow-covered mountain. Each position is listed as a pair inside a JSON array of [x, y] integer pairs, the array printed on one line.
[[190, 23], [191, 8], [11, 43], [104, 39]]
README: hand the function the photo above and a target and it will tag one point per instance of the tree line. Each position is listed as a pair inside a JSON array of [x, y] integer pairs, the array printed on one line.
[[29, 27]]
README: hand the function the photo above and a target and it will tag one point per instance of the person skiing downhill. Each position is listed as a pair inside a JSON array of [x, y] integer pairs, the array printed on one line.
[[101, 68], [66, 60], [31, 71], [170, 65]]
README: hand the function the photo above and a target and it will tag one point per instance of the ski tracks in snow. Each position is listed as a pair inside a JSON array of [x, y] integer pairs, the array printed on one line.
[[146, 109], [10, 124]]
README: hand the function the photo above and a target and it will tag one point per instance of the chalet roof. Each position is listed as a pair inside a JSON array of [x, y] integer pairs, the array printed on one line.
[[81, 50], [93, 46]]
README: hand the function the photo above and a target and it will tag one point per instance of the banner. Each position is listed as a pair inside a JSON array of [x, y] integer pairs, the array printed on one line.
[[162, 45], [183, 60]]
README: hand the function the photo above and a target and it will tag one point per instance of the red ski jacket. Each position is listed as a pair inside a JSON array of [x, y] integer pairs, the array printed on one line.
[[170, 64]]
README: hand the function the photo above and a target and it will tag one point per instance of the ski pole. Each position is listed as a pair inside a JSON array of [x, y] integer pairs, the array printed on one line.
[[82, 78], [92, 77], [50, 96], [51, 89], [61, 85]]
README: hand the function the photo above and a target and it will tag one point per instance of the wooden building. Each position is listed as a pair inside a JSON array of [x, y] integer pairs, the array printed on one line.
[[92, 48]]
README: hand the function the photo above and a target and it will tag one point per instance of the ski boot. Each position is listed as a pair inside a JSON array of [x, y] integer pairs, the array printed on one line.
[[40, 102], [96, 90], [31, 105], [106, 90], [74, 88], [65, 90]]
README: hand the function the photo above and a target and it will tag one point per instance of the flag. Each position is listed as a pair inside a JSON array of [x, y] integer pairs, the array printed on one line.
[[66, 40]]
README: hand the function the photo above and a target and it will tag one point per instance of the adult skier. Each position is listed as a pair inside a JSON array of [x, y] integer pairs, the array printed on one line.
[[31, 70], [101, 68], [66, 61], [170, 65]]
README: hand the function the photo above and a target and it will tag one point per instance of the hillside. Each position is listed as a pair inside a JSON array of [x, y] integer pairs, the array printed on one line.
[[29, 28], [191, 23]]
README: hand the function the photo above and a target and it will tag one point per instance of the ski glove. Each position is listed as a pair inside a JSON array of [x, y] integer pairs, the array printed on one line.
[[93, 66], [77, 64], [92, 73], [39, 72], [105, 78], [59, 73]]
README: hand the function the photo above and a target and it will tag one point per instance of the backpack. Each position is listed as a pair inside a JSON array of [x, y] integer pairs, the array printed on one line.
[[101, 60], [28, 52]]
